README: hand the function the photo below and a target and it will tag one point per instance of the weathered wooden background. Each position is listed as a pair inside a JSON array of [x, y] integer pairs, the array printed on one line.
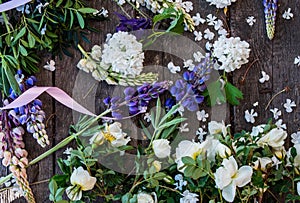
[[275, 57]]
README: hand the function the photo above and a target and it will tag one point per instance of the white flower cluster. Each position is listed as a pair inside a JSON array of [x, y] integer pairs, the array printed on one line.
[[231, 52], [124, 54], [221, 3]]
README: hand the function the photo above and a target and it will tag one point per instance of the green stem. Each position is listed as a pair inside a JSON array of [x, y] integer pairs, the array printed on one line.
[[60, 145]]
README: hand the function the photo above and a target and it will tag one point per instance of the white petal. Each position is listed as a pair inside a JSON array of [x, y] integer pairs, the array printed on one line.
[[243, 176], [229, 192]]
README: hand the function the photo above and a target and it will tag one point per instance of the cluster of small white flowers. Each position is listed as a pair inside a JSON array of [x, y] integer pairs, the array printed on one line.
[[124, 54], [231, 52], [221, 3]]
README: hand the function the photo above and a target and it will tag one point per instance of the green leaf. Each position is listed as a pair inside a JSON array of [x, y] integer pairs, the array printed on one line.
[[198, 173], [71, 19], [87, 10], [172, 122], [52, 188], [168, 131], [22, 50], [189, 170], [59, 3], [159, 176], [232, 94], [146, 131], [31, 40], [19, 35], [167, 13], [188, 160], [158, 112], [80, 20], [214, 93], [170, 112], [12, 81]]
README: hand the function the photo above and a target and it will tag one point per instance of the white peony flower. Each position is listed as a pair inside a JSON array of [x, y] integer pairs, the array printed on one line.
[[231, 52], [96, 52], [161, 148], [81, 181], [186, 148], [228, 176], [189, 197], [215, 127], [275, 138]]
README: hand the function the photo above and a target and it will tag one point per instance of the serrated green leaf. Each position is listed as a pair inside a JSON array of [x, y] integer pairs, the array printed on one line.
[[87, 10], [233, 94], [80, 20], [214, 93]]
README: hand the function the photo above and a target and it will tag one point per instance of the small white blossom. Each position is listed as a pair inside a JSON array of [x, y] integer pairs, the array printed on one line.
[[189, 64], [189, 197], [265, 77], [208, 46], [173, 69], [280, 124], [197, 19], [298, 188], [180, 110], [296, 137], [297, 61], [147, 117], [222, 32], [218, 25], [50, 65], [201, 133], [68, 150], [211, 19], [249, 116], [288, 14], [184, 128], [251, 20], [208, 34], [187, 5], [255, 104], [198, 56], [288, 105], [276, 113], [276, 162], [43, 30], [202, 115], [198, 35], [180, 182], [256, 130]]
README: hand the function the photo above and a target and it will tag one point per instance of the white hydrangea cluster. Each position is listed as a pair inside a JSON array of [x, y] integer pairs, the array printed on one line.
[[221, 3], [231, 52], [124, 54]]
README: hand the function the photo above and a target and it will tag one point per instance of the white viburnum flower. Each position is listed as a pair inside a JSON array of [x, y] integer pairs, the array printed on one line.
[[198, 35], [297, 61], [276, 113], [208, 34], [231, 52], [221, 3], [218, 25], [187, 6], [96, 52], [222, 32], [81, 181], [173, 69], [250, 116], [288, 105], [161, 148], [202, 115], [274, 138], [186, 148], [265, 77], [189, 197], [255, 104], [197, 19], [251, 20], [124, 54], [215, 127], [296, 137], [229, 176], [288, 14]]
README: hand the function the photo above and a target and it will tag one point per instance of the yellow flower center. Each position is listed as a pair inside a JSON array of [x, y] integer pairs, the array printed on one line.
[[109, 137]]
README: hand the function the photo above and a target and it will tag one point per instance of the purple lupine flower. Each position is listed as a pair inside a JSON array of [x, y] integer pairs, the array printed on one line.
[[132, 24], [270, 16]]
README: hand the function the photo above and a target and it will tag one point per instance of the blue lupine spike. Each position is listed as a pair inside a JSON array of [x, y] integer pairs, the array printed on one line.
[[270, 16]]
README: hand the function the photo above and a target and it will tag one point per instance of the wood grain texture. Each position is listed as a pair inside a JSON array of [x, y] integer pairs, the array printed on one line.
[[274, 57]]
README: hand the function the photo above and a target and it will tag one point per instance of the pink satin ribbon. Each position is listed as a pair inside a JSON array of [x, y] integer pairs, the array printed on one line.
[[12, 4], [58, 94]]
